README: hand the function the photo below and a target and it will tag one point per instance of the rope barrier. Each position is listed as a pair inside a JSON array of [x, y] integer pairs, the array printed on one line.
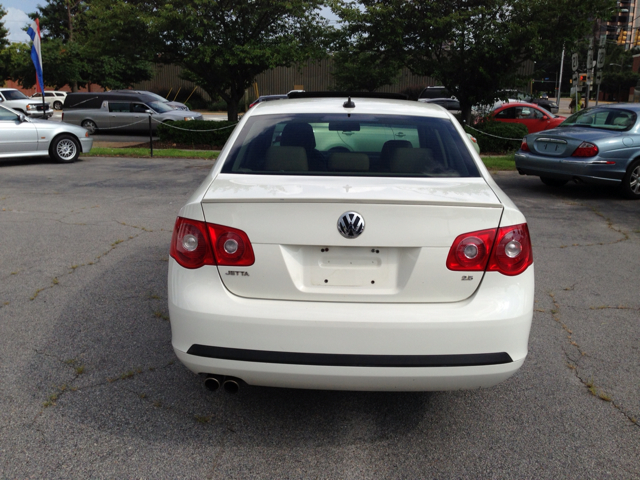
[[120, 126], [494, 136], [190, 130]]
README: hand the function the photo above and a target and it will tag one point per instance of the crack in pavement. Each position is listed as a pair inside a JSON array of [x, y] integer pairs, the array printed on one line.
[[573, 363]]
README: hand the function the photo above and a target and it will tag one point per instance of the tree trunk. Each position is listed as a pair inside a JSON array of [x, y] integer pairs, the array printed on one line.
[[466, 114], [232, 111]]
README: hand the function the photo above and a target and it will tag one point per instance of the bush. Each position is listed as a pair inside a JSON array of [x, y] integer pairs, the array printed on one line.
[[196, 132], [489, 144]]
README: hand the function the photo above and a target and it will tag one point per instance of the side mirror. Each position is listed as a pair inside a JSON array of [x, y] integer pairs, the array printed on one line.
[[22, 117], [150, 112], [544, 117]]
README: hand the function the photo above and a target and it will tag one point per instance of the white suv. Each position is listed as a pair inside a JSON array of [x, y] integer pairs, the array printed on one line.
[[56, 97], [351, 244], [15, 99]]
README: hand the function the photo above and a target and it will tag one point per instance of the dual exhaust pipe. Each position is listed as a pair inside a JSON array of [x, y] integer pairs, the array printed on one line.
[[229, 384]]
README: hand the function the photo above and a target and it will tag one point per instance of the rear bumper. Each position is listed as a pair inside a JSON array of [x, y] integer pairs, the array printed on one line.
[[351, 346], [588, 171]]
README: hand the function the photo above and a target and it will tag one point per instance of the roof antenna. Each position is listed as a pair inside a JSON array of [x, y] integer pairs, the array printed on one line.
[[349, 104]]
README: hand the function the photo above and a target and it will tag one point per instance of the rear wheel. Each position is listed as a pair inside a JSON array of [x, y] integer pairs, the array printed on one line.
[[630, 187], [64, 149], [90, 125], [57, 105], [553, 182]]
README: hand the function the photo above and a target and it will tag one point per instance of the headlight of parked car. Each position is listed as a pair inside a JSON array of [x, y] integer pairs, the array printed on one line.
[[186, 119]]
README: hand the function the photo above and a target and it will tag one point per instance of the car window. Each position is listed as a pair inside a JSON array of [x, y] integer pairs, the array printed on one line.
[[354, 145], [139, 108], [507, 114], [14, 95], [120, 107], [602, 118], [7, 116], [525, 112]]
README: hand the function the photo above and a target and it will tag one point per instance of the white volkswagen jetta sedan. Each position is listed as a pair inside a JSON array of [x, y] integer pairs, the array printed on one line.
[[350, 244]]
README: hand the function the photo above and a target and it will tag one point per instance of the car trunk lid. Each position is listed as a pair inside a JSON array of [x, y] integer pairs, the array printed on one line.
[[410, 225]]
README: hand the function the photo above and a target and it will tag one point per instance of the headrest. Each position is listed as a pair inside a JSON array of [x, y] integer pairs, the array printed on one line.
[[412, 160], [389, 147], [349, 162], [298, 135], [286, 159]]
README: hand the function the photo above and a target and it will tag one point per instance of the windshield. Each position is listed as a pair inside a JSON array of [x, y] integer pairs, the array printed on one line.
[[157, 97], [160, 107], [14, 95], [350, 145], [602, 118]]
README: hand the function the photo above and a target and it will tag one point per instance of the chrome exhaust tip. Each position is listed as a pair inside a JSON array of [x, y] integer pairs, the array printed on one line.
[[212, 382], [231, 385]]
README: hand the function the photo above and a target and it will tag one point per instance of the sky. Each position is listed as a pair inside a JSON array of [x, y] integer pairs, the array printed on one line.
[[16, 17], [17, 10]]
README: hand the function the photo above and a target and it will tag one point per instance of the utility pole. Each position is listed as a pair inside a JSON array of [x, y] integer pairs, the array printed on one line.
[[560, 80]]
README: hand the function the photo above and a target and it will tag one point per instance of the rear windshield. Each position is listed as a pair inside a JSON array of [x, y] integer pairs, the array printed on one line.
[[602, 118], [350, 145]]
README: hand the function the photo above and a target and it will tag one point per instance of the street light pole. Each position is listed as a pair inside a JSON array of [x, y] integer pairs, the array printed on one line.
[[560, 80]]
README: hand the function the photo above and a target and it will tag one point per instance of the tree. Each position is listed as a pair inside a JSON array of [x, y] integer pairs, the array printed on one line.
[[363, 71], [4, 43], [224, 44], [106, 44], [473, 47]]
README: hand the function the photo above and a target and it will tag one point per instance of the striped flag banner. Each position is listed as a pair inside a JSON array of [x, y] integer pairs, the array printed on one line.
[[36, 54]]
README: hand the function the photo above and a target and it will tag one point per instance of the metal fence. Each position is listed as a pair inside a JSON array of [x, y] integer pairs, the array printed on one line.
[[314, 75]]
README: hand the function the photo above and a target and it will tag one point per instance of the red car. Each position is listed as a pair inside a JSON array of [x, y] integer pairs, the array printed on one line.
[[532, 116]]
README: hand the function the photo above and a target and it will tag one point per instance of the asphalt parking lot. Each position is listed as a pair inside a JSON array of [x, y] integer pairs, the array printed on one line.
[[90, 387]]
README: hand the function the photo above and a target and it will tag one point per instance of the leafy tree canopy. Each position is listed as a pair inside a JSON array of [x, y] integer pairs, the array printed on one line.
[[103, 42], [224, 44], [364, 71], [4, 43], [473, 47]]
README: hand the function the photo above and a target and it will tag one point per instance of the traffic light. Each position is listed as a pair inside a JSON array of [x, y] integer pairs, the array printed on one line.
[[583, 78], [621, 37]]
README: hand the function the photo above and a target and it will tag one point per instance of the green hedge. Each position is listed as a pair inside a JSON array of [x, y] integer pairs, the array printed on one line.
[[195, 134], [497, 145]]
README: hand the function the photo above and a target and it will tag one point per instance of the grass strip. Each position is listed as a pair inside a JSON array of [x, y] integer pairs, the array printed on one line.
[[506, 162], [144, 153]]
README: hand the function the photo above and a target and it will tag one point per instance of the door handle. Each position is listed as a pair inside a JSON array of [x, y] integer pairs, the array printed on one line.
[[347, 133], [400, 134]]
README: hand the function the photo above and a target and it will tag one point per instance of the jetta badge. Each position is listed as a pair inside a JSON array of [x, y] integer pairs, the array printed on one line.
[[350, 224]]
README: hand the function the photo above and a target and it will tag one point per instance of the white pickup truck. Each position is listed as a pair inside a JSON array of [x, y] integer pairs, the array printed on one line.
[[15, 99]]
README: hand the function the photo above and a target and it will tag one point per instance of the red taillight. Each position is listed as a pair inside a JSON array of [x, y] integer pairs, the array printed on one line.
[[254, 103], [508, 252], [470, 251], [196, 243], [62, 117], [585, 149], [512, 252], [524, 146], [231, 246]]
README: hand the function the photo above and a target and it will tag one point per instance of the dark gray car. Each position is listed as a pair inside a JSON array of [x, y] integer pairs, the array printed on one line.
[[115, 112]]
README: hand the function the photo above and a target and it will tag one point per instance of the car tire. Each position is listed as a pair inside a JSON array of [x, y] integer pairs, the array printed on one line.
[[90, 125], [64, 149], [553, 182], [57, 105], [630, 187]]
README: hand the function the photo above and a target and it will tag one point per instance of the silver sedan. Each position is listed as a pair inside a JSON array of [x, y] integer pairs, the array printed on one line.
[[21, 136]]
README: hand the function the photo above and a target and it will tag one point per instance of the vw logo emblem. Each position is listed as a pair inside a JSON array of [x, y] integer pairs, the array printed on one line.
[[350, 224]]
